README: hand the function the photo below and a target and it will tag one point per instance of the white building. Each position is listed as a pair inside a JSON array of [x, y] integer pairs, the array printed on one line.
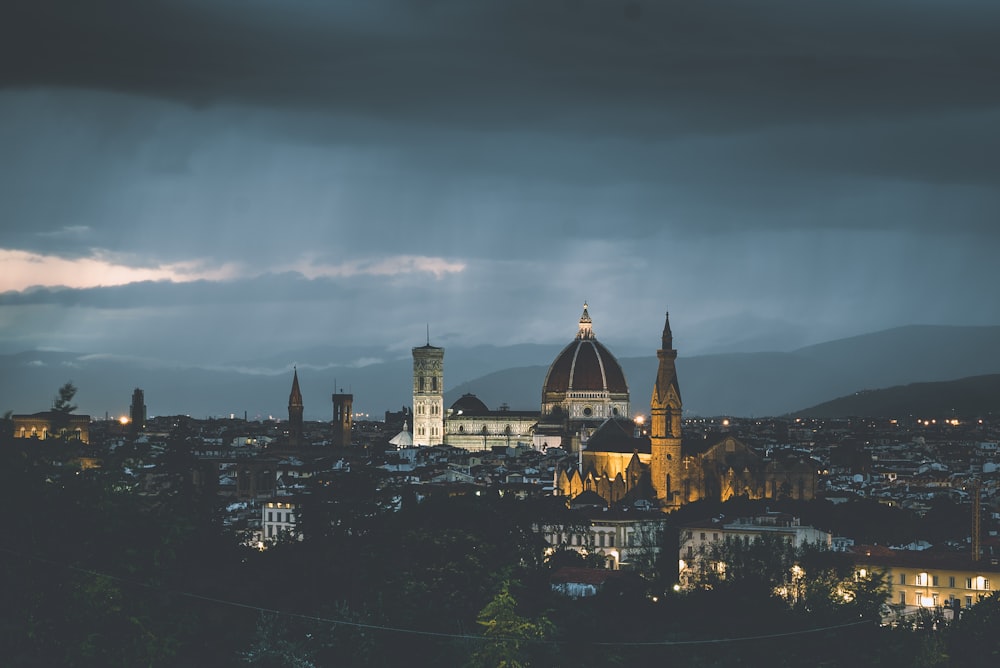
[[624, 540], [278, 517], [697, 539]]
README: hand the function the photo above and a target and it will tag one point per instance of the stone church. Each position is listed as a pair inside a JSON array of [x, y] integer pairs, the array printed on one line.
[[586, 409]]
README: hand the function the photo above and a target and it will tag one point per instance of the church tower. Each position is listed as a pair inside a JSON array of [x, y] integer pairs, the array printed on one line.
[[428, 395], [295, 412], [665, 426], [137, 413], [343, 419]]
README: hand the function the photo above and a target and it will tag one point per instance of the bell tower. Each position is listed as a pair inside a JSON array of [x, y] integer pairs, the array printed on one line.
[[343, 419], [665, 426], [428, 395], [295, 408]]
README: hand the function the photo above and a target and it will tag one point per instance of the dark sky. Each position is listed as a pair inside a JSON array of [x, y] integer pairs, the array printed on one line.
[[219, 180]]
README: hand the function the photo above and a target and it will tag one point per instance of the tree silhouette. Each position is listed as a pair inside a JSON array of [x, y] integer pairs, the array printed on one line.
[[62, 406]]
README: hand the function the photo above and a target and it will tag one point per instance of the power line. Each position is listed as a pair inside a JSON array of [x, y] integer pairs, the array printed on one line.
[[418, 632]]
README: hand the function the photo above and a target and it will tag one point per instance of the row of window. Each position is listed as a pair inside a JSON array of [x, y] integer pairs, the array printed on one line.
[[274, 530], [916, 598], [602, 540], [925, 580], [277, 517]]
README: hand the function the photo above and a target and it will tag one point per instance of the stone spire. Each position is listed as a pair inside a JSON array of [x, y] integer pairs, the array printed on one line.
[[665, 427], [668, 337], [295, 409], [295, 398]]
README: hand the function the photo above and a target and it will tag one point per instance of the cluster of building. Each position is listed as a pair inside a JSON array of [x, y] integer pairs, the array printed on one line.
[[619, 471]]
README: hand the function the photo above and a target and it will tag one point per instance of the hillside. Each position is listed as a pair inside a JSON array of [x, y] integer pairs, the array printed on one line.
[[748, 384], [963, 398], [777, 383]]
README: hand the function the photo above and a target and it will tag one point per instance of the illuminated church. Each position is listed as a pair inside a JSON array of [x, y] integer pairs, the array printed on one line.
[[586, 409], [621, 461]]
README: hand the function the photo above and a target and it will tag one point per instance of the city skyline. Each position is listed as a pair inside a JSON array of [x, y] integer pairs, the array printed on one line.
[[217, 183]]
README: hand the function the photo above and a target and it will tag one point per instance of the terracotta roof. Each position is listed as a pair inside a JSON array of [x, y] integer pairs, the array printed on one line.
[[617, 436], [588, 498], [877, 555], [695, 445], [585, 364]]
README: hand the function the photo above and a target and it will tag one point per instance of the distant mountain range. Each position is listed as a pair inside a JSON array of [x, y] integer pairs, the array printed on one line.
[[741, 384], [963, 398]]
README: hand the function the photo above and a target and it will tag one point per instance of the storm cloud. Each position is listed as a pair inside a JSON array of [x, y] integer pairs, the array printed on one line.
[[775, 172]]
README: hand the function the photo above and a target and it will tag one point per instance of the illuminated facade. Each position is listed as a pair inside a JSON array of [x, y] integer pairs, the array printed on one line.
[[622, 540], [930, 580], [584, 386], [621, 464], [697, 539], [50, 424], [278, 518], [428, 395], [471, 425]]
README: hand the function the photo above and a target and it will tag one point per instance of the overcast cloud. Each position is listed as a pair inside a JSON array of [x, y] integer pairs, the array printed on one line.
[[776, 173]]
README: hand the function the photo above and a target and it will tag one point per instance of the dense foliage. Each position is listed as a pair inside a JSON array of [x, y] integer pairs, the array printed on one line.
[[96, 573]]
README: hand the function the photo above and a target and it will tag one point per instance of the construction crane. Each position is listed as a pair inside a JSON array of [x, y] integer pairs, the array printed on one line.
[[976, 513]]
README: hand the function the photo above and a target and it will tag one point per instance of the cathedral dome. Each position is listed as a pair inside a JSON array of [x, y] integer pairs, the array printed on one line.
[[585, 365], [586, 373], [469, 404]]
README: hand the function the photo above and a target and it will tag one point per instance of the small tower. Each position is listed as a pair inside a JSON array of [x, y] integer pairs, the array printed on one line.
[[295, 412], [428, 395], [137, 412], [343, 419], [665, 426], [586, 330]]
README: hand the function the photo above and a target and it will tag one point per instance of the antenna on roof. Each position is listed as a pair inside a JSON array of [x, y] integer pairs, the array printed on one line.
[[428, 333]]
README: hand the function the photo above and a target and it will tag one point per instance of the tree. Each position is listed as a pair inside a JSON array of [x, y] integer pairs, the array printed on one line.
[[973, 639], [513, 637], [62, 406], [64, 402]]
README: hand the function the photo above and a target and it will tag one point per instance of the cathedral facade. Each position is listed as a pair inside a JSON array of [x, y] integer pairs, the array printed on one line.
[[586, 410], [620, 463]]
